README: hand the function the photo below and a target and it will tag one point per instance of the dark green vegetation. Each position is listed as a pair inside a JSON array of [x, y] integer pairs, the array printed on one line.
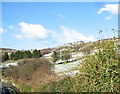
[[5, 57], [21, 55], [99, 72], [36, 54]]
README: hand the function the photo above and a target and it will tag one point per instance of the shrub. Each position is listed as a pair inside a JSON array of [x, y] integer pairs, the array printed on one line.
[[26, 69], [65, 55], [87, 50], [55, 56], [102, 68]]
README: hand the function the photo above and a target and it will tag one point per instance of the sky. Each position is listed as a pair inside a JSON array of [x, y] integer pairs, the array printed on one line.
[[38, 25]]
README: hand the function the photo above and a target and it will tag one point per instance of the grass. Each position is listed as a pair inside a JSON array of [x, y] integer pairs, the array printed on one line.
[[9, 61], [21, 86], [24, 87]]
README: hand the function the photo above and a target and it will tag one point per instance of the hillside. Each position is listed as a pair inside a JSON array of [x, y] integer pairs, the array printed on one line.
[[88, 67], [3, 50]]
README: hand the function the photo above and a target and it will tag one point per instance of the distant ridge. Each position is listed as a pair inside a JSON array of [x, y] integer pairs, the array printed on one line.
[[9, 50]]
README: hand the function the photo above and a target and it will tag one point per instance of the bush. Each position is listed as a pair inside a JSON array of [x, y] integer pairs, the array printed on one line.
[[65, 55], [55, 56], [102, 68], [26, 69], [87, 50]]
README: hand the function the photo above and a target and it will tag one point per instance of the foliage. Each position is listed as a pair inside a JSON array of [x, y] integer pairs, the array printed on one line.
[[23, 87], [36, 53], [98, 73], [87, 50], [65, 55], [5, 57], [17, 55], [64, 85], [26, 69], [27, 54], [55, 56], [101, 70], [12, 56], [22, 55], [78, 47]]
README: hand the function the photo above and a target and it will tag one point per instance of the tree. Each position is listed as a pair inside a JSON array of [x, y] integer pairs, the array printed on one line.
[[29, 54], [25, 54], [39, 53], [36, 53], [65, 55], [20, 55], [5, 57], [12, 56], [55, 56], [17, 55]]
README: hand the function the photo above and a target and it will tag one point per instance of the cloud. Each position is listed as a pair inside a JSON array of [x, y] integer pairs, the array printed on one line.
[[10, 27], [2, 30], [61, 15], [112, 8], [32, 31], [58, 14], [37, 31], [69, 35], [109, 17], [18, 36]]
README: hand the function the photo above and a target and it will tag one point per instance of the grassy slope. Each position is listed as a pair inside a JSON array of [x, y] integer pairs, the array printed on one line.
[[99, 73]]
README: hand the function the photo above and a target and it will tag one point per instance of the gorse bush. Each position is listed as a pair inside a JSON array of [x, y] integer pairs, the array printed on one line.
[[98, 73], [101, 70]]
